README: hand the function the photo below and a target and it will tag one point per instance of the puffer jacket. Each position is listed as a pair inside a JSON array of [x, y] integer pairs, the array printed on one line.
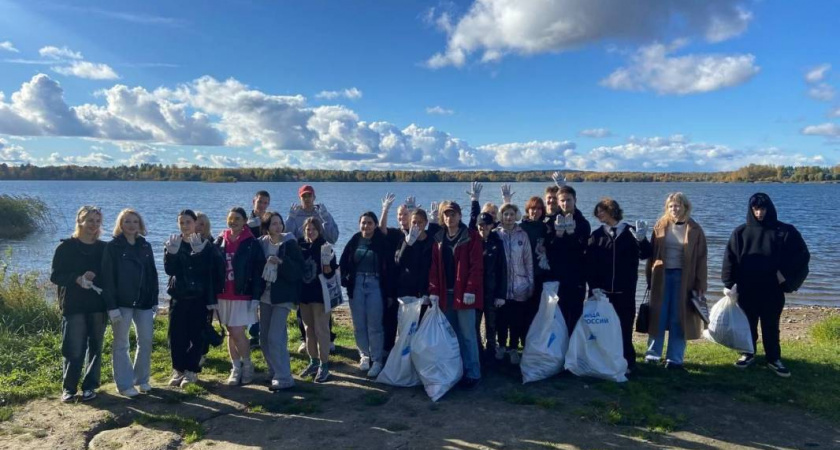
[[191, 275], [520, 263], [129, 277]]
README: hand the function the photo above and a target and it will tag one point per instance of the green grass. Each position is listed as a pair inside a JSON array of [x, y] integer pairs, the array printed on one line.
[[190, 429], [6, 413], [21, 215], [827, 331]]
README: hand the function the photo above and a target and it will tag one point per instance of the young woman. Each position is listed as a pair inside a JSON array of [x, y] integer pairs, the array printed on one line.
[[366, 263], [203, 228], [189, 262], [612, 264], [676, 268], [280, 285], [520, 284], [495, 284], [318, 259], [414, 258], [76, 263], [238, 302], [539, 234], [455, 282], [130, 288]]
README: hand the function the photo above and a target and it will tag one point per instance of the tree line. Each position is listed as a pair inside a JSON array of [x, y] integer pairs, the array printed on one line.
[[159, 172]]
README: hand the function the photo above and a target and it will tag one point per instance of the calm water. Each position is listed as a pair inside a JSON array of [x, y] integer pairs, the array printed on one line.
[[719, 208]]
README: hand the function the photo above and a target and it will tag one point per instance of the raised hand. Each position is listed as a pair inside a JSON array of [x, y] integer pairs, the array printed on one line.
[[641, 230], [411, 203], [475, 191], [196, 243], [507, 194], [559, 179], [388, 200], [173, 244]]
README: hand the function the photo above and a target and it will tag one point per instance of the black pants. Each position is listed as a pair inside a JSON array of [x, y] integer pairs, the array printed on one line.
[[571, 303], [512, 318], [625, 307], [303, 330], [765, 307], [489, 314], [186, 342]]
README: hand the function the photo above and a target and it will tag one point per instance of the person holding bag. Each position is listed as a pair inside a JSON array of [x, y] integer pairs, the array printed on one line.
[[318, 260], [677, 267]]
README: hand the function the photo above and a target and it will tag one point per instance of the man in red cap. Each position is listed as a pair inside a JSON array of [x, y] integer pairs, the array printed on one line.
[[298, 213]]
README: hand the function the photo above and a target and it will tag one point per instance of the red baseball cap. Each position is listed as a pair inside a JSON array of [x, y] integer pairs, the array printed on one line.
[[306, 189]]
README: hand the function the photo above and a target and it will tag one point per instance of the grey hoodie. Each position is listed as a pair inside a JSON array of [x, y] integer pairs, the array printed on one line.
[[294, 224]]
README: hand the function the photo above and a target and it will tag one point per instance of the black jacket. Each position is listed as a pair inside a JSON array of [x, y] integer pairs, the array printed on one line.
[[192, 276], [71, 260], [612, 264], [412, 264], [287, 287], [311, 291], [385, 256], [538, 232], [757, 250], [495, 269], [129, 276], [566, 255], [248, 264]]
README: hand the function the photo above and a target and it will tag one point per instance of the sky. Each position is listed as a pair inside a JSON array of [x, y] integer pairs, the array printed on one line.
[[604, 85]]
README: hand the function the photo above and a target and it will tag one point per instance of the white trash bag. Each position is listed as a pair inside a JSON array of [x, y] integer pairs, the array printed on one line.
[[728, 325], [399, 371], [596, 347], [547, 340], [435, 353]]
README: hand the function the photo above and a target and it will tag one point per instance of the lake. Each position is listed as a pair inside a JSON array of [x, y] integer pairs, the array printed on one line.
[[719, 208]]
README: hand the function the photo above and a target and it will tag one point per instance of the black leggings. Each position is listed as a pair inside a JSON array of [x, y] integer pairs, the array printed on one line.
[[513, 317]]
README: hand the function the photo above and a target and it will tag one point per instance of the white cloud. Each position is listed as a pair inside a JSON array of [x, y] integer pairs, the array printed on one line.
[[817, 74], [13, 154], [59, 54], [496, 28], [439, 111], [822, 91], [89, 70], [8, 46], [825, 129], [595, 133], [531, 155], [651, 68], [144, 157], [350, 94], [91, 159], [834, 112]]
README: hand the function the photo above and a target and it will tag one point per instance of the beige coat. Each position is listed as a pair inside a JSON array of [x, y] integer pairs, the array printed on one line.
[[694, 277]]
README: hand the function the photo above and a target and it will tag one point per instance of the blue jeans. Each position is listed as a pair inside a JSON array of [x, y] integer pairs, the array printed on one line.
[[126, 374], [82, 336], [366, 309], [463, 321], [669, 319], [274, 340]]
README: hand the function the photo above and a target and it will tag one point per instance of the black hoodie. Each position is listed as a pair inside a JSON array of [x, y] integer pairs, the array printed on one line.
[[758, 249]]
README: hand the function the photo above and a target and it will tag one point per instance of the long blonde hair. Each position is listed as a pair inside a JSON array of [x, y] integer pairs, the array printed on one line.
[[82, 215], [208, 232], [118, 226], [674, 197]]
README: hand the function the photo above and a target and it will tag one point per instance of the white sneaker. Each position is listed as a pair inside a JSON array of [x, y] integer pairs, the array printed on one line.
[[500, 353], [144, 388], [375, 369], [277, 385], [652, 359], [130, 392], [302, 347], [364, 363], [189, 378], [234, 377], [514, 357], [177, 378], [247, 372]]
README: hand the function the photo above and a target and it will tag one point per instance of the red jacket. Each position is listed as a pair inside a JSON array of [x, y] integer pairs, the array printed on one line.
[[469, 269]]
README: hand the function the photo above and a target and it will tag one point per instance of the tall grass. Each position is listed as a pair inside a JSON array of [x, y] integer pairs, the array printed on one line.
[[21, 215]]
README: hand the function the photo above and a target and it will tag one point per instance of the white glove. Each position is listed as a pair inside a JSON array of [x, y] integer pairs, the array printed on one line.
[[411, 203], [641, 230], [196, 243], [322, 212], [270, 273], [559, 179], [507, 194], [411, 237], [542, 259], [731, 293], [90, 285], [560, 225], [499, 302], [173, 244], [469, 299], [115, 316], [475, 191], [213, 307], [570, 224], [327, 253], [388, 200], [294, 208], [433, 299], [433, 212]]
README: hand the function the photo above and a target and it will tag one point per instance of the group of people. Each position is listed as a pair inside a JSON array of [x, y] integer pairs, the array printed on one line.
[[491, 270]]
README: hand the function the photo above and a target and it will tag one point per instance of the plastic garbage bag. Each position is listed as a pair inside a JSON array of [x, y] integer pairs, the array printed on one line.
[[728, 325], [595, 347], [399, 371], [548, 339], [435, 353]]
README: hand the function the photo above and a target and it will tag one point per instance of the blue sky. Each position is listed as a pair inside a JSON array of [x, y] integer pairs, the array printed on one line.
[[475, 84]]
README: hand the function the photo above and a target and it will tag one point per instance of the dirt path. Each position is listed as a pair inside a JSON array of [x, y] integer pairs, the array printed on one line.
[[352, 412]]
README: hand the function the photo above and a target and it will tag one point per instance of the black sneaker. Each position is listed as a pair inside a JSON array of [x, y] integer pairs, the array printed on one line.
[[88, 395], [67, 396], [745, 361], [779, 369]]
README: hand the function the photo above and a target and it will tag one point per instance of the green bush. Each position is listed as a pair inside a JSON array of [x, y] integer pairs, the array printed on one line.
[[22, 215], [827, 331]]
